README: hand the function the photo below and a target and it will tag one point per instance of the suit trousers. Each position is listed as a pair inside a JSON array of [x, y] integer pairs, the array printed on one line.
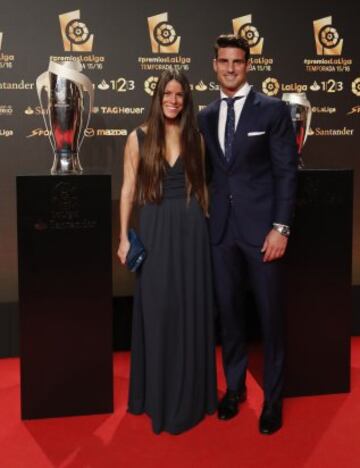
[[238, 266]]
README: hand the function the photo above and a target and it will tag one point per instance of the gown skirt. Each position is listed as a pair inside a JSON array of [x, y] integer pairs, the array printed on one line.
[[173, 374]]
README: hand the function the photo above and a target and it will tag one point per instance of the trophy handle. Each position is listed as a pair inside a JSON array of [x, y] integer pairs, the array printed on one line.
[[84, 85], [308, 124], [91, 105], [43, 81]]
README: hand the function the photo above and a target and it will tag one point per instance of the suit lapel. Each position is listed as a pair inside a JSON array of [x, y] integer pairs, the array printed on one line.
[[213, 120]]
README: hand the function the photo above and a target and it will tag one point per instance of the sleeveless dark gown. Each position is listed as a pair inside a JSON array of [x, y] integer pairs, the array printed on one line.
[[173, 375]]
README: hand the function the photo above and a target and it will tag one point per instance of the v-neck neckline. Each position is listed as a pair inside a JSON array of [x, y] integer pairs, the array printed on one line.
[[166, 161], [172, 166]]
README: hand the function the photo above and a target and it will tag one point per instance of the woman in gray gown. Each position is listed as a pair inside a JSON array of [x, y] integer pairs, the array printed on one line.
[[173, 377]]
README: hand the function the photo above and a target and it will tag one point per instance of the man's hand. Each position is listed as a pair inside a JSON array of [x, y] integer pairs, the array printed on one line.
[[274, 246]]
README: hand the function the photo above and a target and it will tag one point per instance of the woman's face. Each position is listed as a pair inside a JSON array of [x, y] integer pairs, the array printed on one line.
[[173, 100]]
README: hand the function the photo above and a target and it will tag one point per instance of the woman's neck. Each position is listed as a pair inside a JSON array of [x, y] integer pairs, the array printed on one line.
[[171, 127]]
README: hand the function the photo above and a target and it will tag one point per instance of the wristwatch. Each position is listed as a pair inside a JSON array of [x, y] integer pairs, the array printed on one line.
[[283, 229]]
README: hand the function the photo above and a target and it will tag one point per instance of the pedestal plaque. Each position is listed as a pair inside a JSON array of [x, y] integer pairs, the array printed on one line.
[[65, 295]]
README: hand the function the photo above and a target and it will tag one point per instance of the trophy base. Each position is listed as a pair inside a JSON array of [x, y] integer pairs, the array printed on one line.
[[66, 163]]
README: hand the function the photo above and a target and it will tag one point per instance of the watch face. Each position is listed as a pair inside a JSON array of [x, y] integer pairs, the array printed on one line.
[[282, 229], [285, 231]]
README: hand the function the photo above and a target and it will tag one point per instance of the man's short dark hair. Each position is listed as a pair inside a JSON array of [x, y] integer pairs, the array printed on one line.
[[231, 40]]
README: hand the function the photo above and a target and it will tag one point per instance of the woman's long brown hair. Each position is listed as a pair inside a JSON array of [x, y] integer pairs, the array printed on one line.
[[152, 162]]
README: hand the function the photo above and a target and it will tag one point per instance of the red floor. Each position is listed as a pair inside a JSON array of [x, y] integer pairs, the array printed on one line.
[[319, 432]]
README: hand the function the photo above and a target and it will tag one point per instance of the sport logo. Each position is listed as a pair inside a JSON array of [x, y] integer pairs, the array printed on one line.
[[270, 86], [242, 27], [355, 86], [327, 39], [75, 34], [150, 85], [354, 110], [163, 37]]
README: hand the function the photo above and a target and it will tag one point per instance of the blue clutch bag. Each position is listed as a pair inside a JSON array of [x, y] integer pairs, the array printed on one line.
[[137, 252]]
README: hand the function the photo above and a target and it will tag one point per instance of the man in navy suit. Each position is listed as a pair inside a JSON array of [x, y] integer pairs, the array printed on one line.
[[251, 152]]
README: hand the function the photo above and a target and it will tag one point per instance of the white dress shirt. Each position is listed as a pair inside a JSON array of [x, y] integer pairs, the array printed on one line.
[[238, 107]]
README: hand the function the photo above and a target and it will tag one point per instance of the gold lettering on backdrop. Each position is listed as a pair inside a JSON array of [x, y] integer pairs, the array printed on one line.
[[328, 47], [6, 109], [334, 131], [6, 60], [122, 110], [323, 109], [13, 86], [244, 27], [4, 132], [164, 40]]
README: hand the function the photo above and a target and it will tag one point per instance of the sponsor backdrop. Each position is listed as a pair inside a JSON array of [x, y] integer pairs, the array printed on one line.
[[123, 46]]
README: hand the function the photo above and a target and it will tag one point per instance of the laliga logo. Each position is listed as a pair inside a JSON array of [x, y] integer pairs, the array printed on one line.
[[4, 132], [327, 39], [75, 34], [355, 86], [150, 85], [270, 86], [242, 27], [163, 37]]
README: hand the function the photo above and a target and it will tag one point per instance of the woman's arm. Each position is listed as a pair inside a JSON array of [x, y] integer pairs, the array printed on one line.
[[131, 164]]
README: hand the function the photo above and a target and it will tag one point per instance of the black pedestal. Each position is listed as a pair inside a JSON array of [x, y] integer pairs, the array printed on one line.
[[65, 295], [318, 286]]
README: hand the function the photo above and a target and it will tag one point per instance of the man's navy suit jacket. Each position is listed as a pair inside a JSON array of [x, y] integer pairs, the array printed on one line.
[[259, 182]]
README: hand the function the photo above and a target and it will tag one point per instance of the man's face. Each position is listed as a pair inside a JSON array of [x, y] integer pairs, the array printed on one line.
[[231, 69]]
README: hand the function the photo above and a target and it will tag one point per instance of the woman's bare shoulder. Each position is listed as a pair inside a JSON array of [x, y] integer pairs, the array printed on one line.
[[133, 135]]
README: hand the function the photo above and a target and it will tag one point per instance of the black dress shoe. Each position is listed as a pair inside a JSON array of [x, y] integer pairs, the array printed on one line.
[[271, 417], [229, 405]]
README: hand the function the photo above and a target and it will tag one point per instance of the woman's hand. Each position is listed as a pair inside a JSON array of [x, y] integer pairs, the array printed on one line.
[[131, 162], [123, 250]]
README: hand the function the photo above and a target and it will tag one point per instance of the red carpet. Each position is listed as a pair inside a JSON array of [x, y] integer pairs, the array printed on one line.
[[319, 432]]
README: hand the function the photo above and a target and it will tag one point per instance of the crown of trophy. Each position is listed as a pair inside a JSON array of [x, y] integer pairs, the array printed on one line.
[[300, 111], [65, 87]]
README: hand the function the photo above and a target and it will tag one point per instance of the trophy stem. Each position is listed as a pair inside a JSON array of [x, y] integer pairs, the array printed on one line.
[[66, 163]]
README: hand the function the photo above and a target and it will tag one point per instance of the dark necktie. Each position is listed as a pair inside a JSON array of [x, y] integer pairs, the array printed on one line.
[[230, 126]]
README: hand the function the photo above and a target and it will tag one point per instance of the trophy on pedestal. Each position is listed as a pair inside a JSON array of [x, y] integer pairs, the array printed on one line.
[[65, 87], [300, 110]]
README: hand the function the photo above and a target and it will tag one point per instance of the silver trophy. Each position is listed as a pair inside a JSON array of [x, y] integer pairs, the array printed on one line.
[[65, 86], [300, 110]]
